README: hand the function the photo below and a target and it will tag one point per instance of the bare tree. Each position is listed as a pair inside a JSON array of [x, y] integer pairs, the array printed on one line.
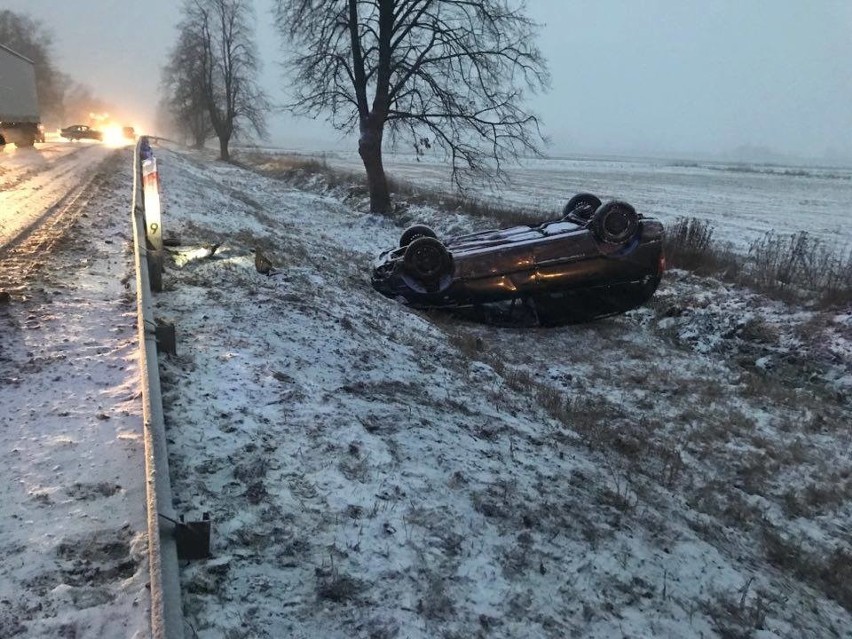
[[29, 38], [184, 97], [222, 33], [445, 72]]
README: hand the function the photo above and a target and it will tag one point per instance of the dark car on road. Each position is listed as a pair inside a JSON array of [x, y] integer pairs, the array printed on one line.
[[81, 132], [597, 259]]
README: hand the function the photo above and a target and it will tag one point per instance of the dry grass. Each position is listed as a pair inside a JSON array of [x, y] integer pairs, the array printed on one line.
[[635, 448], [736, 615], [337, 588], [790, 268], [828, 571], [689, 245], [436, 603], [296, 169], [799, 265], [407, 194], [470, 345], [306, 171], [819, 498]]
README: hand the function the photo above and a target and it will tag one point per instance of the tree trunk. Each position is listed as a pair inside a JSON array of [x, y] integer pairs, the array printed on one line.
[[370, 150], [224, 155]]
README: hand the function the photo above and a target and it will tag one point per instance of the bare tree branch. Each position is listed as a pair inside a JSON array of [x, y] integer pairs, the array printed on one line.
[[213, 70], [445, 73], [182, 88]]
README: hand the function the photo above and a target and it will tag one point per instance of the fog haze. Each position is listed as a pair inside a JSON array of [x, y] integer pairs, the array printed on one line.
[[686, 77]]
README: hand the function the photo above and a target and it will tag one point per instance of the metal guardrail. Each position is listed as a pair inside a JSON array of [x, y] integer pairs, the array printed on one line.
[[166, 609]]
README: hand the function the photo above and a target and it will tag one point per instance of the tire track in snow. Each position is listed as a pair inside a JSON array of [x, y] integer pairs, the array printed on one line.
[[39, 184], [23, 253]]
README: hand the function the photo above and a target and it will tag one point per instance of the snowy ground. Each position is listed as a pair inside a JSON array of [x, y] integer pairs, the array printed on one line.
[[36, 180], [72, 531], [681, 471]]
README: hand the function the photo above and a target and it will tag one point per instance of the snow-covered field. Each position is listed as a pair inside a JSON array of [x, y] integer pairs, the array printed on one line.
[[684, 470], [742, 201]]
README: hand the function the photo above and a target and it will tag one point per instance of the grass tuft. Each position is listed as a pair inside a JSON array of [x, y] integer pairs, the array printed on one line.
[[828, 571], [689, 245], [797, 268]]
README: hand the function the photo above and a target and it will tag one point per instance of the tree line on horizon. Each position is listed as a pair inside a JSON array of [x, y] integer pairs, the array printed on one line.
[[444, 74]]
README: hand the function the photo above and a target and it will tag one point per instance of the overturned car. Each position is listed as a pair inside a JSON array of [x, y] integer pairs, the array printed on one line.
[[598, 259]]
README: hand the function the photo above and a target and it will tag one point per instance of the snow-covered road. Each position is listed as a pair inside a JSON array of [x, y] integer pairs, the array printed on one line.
[[36, 180], [72, 500]]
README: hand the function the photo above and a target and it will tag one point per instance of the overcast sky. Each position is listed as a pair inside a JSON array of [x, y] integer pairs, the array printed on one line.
[[629, 76]]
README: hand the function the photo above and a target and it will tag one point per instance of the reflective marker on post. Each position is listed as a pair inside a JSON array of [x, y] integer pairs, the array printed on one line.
[[153, 224], [151, 192]]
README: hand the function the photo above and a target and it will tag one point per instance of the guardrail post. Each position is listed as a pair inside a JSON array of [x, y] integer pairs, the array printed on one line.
[[153, 218]]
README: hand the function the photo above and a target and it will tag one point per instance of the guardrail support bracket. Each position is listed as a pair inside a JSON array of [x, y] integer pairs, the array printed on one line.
[[164, 335], [193, 538]]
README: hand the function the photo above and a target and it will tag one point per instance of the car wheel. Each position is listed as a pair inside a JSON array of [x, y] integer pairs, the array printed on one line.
[[427, 260], [615, 222], [587, 203], [413, 232]]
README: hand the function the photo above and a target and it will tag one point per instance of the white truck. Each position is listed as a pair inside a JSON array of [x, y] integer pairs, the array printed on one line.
[[19, 115]]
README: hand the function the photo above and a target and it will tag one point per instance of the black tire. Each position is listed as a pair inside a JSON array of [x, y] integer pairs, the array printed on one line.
[[427, 260], [413, 232], [615, 222], [584, 203]]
